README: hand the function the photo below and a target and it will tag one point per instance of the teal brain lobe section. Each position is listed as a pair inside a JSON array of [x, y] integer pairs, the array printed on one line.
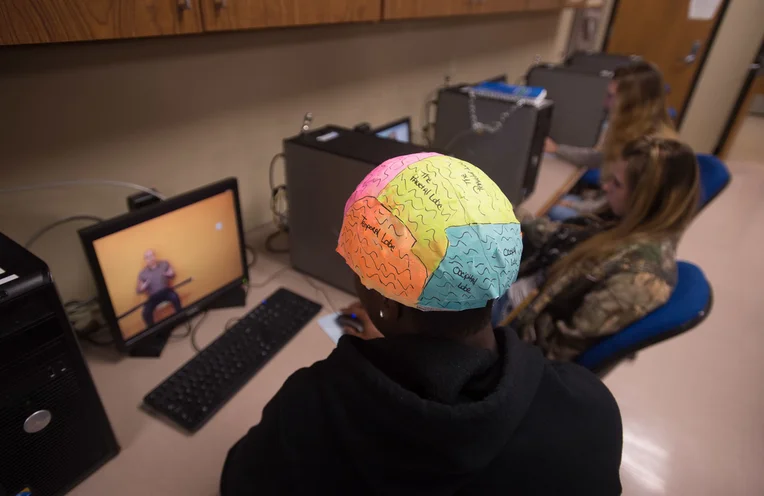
[[480, 264]]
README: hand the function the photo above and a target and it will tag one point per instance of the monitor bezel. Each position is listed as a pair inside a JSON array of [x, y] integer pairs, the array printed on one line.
[[90, 234], [389, 125]]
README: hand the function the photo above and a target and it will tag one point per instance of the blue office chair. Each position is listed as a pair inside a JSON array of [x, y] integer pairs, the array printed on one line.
[[688, 306], [591, 177], [714, 177]]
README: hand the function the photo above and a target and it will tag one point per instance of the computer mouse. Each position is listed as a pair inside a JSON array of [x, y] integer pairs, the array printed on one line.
[[345, 320]]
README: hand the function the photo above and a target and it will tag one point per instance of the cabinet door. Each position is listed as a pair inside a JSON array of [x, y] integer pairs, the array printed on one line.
[[248, 14], [45, 21], [546, 4], [411, 9]]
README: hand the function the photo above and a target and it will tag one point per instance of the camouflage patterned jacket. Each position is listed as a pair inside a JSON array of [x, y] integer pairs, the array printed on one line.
[[571, 313]]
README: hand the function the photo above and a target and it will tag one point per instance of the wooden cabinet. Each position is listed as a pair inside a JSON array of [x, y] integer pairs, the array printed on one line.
[[248, 14], [546, 4], [412, 9], [52, 21], [45, 21]]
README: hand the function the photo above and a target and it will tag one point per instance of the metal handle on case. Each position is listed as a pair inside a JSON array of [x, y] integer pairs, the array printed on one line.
[[184, 5], [691, 57]]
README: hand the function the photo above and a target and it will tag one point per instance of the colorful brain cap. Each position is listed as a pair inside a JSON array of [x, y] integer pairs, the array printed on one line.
[[431, 232]]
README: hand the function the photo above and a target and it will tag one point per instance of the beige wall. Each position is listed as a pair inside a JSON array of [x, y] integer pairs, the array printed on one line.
[[178, 113], [736, 45]]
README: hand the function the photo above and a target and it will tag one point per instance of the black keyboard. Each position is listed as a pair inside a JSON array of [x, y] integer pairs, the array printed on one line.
[[196, 391]]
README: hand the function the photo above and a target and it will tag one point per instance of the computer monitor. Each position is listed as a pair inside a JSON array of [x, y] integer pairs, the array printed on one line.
[[159, 266], [399, 130], [501, 78]]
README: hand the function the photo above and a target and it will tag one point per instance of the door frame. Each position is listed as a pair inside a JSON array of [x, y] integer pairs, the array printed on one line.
[[742, 104], [701, 63]]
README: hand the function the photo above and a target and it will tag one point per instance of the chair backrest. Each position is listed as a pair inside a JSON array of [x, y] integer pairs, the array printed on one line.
[[689, 304], [714, 177]]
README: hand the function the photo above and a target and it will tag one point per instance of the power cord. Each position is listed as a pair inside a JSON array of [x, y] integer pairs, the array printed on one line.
[[279, 198], [83, 182], [268, 280], [269, 243], [76, 311], [74, 218], [251, 263], [320, 290], [195, 329], [429, 124]]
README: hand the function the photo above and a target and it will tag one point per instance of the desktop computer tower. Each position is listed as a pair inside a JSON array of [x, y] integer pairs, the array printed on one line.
[[579, 102], [323, 168], [53, 426], [511, 156], [598, 61]]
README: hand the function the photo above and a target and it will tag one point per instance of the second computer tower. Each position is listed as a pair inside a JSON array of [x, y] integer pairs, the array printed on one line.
[[510, 156], [323, 168]]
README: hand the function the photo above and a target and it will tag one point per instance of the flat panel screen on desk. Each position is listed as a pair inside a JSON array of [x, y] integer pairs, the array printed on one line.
[[400, 132], [155, 269]]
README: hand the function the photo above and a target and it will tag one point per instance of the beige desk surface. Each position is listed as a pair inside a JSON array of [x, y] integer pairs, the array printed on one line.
[[156, 458]]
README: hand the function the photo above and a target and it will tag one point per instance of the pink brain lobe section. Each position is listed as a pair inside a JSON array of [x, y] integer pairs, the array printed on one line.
[[377, 179]]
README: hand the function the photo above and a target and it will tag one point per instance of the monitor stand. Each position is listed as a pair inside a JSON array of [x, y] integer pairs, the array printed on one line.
[[152, 346]]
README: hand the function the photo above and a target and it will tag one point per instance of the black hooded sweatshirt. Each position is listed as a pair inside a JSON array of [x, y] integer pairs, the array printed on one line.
[[416, 415]]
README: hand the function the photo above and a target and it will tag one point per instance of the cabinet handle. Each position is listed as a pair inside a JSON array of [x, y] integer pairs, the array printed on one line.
[[184, 5]]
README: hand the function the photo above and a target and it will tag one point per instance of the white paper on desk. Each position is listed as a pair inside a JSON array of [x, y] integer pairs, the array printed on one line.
[[330, 327], [703, 10]]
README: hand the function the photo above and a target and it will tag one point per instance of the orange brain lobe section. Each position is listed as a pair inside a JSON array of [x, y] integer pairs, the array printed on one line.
[[377, 246]]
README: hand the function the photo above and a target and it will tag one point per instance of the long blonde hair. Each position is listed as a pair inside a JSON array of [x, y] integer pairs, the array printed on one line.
[[664, 189], [639, 108]]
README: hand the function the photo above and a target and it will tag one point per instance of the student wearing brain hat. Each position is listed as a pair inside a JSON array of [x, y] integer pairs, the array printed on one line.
[[430, 399]]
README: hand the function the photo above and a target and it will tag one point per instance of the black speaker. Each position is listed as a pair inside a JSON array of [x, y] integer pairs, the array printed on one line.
[[53, 427]]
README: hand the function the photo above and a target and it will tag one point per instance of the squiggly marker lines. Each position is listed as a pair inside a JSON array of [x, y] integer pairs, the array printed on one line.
[[385, 244]]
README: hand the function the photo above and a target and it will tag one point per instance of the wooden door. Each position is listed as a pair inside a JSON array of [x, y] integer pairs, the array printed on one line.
[[46, 21], [413, 9], [662, 32], [248, 14]]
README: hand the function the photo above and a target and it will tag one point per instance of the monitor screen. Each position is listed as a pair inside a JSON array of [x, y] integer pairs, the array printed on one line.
[[156, 268], [400, 131]]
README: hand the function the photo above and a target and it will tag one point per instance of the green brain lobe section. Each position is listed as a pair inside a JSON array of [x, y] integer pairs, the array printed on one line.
[[480, 264]]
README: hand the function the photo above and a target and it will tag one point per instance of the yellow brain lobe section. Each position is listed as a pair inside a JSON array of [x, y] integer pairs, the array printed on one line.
[[441, 192]]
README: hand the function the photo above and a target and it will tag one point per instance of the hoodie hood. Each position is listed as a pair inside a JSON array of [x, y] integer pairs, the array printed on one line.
[[446, 410]]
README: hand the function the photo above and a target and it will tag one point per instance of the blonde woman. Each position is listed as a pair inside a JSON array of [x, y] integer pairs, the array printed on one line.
[[636, 105], [592, 277]]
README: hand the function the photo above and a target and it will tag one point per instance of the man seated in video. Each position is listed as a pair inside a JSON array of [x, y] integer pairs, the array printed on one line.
[[154, 280]]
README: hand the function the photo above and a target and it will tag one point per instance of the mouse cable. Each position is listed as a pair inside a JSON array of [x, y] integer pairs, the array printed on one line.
[[195, 329]]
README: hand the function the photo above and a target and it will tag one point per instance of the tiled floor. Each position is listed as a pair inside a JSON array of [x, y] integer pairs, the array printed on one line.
[[693, 407]]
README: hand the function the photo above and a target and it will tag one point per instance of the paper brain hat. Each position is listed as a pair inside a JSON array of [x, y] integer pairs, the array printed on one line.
[[431, 232]]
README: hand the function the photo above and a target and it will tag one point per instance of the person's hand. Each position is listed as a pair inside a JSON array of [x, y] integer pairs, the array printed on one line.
[[370, 331], [550, 146], [144, 285], [567, 203]]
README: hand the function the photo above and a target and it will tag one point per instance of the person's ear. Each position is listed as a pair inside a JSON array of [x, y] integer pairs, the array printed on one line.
[[389, 310]]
